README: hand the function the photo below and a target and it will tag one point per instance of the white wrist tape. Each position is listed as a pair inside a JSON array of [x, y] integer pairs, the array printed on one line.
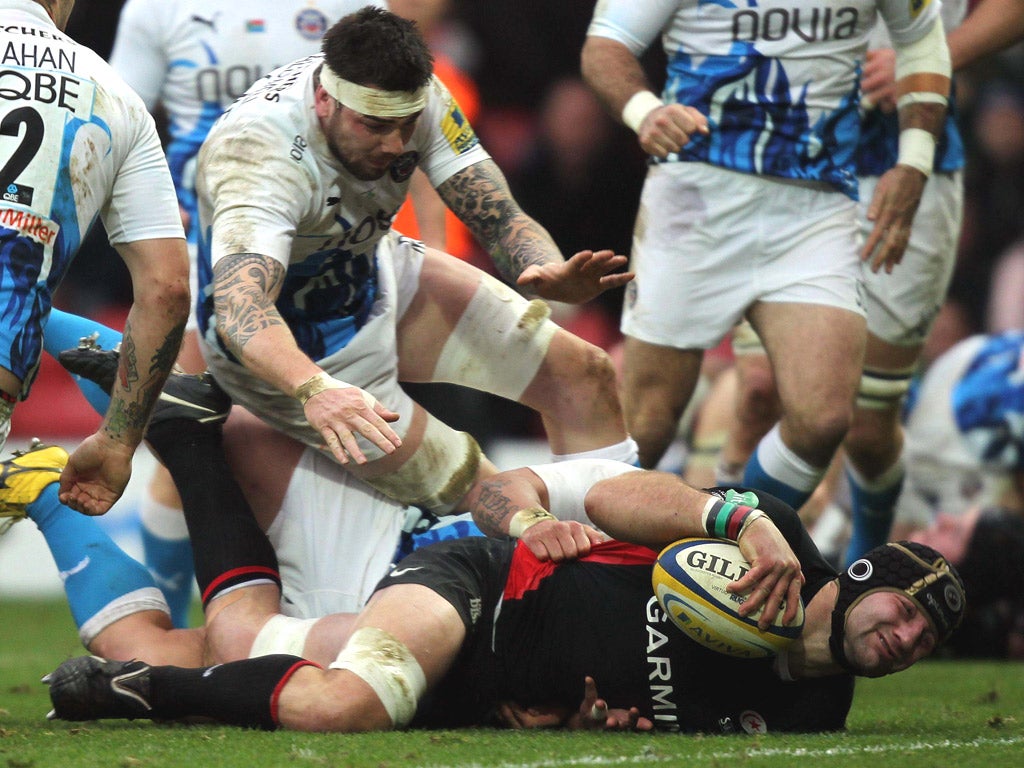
[[639, 106], [323, 381], [388, 667], [524, 518], [917, 149]]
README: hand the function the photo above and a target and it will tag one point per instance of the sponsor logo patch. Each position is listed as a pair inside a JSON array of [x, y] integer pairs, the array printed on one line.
[[457, 130], [18, 193], [311, 23]]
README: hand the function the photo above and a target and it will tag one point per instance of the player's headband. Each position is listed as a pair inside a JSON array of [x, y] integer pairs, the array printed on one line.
[[372, 101], [914, 569]]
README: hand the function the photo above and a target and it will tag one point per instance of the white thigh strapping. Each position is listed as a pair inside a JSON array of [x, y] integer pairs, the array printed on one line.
[[709, 243], [499, 343], [335, 538], [902, 306]]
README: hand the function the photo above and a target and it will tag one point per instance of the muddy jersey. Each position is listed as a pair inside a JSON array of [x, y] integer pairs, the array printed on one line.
[[880, 131], [546, 627], [269, 184], [195, 57], [777, 79], [75, 144]]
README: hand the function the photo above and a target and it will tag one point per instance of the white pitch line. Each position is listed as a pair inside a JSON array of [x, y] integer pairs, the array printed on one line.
[[648, 754]]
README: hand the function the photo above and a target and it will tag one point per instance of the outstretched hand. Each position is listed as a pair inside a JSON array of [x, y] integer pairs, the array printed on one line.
[[578, 280], [96, 475]]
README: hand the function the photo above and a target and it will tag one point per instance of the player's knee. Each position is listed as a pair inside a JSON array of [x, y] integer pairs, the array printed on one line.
[[383, 686], [819, 431], [583, 374]]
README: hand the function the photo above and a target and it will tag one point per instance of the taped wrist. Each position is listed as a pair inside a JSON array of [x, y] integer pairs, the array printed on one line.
[[524, 518], [639, 106], [917, 149], [727, 519], [314, 385]]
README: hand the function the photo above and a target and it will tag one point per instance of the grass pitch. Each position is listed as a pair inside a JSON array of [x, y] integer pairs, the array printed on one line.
[[940, 713]]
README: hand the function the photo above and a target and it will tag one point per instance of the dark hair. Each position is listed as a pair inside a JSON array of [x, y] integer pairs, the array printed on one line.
[[374, 47], [993, 571]]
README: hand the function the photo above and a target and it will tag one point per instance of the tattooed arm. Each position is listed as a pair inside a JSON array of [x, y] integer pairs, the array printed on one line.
[[521, 249], [499, 500], [246, 285], [100, 468]]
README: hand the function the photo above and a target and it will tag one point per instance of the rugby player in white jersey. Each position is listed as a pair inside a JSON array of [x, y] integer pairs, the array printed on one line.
[[749, 208], [77, 145], [190, 59], [312, 308]]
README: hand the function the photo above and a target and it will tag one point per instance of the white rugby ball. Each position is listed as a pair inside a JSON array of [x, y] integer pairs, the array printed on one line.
[[690, 579]]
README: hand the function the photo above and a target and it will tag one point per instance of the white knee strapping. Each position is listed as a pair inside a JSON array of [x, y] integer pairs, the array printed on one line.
[[438, 474], [387, 666], [498, 344], [282, 634], [881, 390]]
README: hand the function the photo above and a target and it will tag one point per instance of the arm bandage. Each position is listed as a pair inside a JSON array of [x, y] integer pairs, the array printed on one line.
[[389, 668], [929, 55]]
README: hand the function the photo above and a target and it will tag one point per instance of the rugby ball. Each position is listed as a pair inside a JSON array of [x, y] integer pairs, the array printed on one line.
[[690, 579]]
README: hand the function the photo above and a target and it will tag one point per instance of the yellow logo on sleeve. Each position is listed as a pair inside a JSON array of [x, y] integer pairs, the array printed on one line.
[[916, 6], [457, 130]]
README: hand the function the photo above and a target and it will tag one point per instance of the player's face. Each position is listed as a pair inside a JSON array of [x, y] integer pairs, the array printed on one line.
[[886, 633], [364, 144]]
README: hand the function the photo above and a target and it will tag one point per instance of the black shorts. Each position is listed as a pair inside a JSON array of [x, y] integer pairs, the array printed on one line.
[[469, 573]]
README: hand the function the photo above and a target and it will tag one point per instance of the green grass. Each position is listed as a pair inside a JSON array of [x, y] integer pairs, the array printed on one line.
[[962, 714]]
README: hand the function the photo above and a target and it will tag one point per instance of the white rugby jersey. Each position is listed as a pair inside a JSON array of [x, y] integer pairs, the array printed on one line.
[[269, 184], [75, 143], [195, 57], [778, 79]]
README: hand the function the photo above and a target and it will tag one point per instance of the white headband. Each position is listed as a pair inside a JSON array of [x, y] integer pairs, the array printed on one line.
[[372, 101]]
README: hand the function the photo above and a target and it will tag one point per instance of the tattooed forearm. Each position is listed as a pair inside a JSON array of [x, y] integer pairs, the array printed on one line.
[[245, 287], [131, 404], [480, 196], [492, 507]]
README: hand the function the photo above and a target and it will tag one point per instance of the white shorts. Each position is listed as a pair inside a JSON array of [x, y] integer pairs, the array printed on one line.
[[335, 538], [902, 306], [709, 243], [942, 474], [369, 361]]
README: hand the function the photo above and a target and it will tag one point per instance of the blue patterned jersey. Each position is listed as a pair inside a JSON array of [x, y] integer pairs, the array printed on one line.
[[76, 144], [988, 402], [777, 79]]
